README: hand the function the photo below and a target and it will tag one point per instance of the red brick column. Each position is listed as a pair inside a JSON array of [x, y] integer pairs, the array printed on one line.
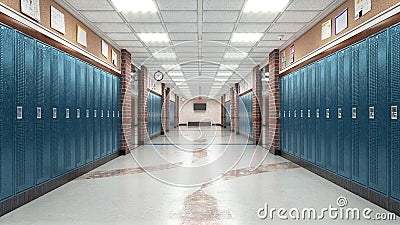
[[274, 104], [176, 111], [142, 106], [126, 97], [256, 105], [165, 108], [223, 112]]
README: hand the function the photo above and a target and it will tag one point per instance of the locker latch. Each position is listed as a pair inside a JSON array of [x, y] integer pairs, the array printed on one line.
[[78, 113], [301, 113], [54, 113], [354, 113], [38, 112], [372, 113], [394, 112], [339, 113], [295, 113], [67, 113], [289, 113], [95, 113], [108, 113], [87, 113], [317, 113], [102, 113], [309, 113], [328, 113], [284, 114], [19, 112], [118, 114]]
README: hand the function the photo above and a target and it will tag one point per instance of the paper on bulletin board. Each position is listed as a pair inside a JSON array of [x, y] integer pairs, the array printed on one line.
[[57, 20], [283, 58], [362, 7], [292, 50], [104, 48], [341, 22], [81, 36], [31, 8], [114, 57], [326, 30]]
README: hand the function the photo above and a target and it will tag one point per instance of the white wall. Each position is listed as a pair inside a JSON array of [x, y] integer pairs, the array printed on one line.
[[213, 112]]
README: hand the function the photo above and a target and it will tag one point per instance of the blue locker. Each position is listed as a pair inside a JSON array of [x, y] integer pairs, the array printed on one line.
[[43, 120], [89, 114], [119, 113], [378, 99], [80, 113], [395, 102], [7, 105], [303, 117], [149, 114], [359, 114], [282, 108], [25, 113], [109, 112], [96, 114], [228, 114], [344, 108], [330, 114], [296, 113], [70, 129], [114, 117], [286, 115], [103, 114], [291, 124], [311, 113], [171, 114], [319, 114]]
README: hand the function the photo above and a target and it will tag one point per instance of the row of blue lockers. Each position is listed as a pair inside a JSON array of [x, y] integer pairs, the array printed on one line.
[[57, 113], [340, 113], [171, 114], [154, 107], [245, 112], [228, 114]]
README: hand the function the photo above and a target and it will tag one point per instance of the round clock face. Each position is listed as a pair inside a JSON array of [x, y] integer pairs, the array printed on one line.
[[158, 76]]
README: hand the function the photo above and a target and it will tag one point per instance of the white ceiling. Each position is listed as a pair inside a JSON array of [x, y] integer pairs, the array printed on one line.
[[212, 21]]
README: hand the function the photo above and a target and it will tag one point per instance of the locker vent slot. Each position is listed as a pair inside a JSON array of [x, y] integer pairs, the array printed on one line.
[[355, 79], [395, 146], [341, 145], [395, 79], [341, 81], [373, 151], [373, 74], [356, 148]]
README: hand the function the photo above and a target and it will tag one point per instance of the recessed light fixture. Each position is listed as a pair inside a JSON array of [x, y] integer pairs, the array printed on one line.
[[264, 6], [171, 67], [175, 74], [235, 55], [135, 6], [246, 37], [224, 74], [165, 55], [228, 67], [153, 37]]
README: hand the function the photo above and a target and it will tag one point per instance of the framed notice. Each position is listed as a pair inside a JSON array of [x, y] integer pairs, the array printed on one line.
[[57, 20], [31, 8], [81, 36], [326, 30], [361, 7], [341, 21], [114, 57], [292, 50], [283, 60], [104, 48]]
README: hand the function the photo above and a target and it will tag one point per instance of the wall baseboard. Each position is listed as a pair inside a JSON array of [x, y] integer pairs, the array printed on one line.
[[372, 196], [21, 199]]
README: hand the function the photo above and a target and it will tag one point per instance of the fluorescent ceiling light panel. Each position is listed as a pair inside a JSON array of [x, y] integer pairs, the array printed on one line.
[[135, 6], [235, 55], [171, 67], [224, 74], [264, 6], [175, 74], [165, 55], [153, 37], [246, 37], [228, 67]]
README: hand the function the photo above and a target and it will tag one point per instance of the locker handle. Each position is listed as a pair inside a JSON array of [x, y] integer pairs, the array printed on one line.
[[102, 113], [38, 112], [301, 114], [78, 113], [328, 113], [19, 112], [372, 113], [339, 113], [309, 113], [67, 113], [95, 113], [317, 113], [394, 112], [87, 113], [54, 113], [354, 113]]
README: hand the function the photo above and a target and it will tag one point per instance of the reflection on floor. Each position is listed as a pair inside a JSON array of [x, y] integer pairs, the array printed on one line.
[[190, 176]]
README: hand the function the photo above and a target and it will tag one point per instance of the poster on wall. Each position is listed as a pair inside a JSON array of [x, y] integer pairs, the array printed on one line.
[[362, 7], [104, 49], [81, 36], [326, 30], [114, 57], [341, 21], [31, 8], [292, 50], [283, 58], [57, 20]]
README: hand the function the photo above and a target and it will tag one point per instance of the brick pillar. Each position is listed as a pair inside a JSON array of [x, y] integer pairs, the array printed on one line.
[[274, 105], [234, 109], [126, 98], [256, 105], [142, 106], [223, 112], [165, 108], [176, 111]]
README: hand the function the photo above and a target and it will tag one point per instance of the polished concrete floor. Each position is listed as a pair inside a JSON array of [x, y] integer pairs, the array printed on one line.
[[191, 176]]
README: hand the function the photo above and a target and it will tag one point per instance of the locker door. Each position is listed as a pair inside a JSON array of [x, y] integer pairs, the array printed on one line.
[[395, 102], [119, 113], [7, 109], [43, 120], [96, 114], [319, 115], [172, 114], [378, 98], [109, 112], [311, 113], [89, 113], [291, 145], [344, 108], [303, 116], [25, 113], [114, 123], [80, 113], [286, 115], [282, 119], [149, 113], [70, 131], [296, 113], [359, 132], [331, 113], [103, 114]]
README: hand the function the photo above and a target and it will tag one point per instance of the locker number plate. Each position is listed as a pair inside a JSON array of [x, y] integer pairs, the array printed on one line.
[[19, 112], [67, 113], [394, 112], [54, 113], [372, 113], [38, 112], [354, 113], [339, 113]]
